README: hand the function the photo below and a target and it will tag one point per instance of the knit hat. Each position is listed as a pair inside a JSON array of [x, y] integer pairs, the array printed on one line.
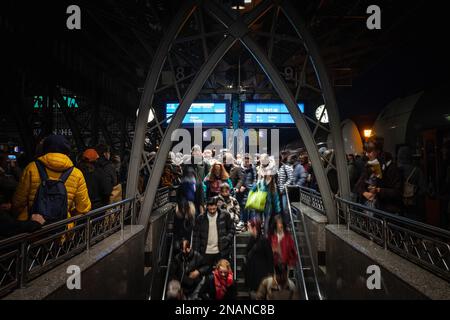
[[56, 144], [90, 155], [268, 166], [225, 185], [196, 151]]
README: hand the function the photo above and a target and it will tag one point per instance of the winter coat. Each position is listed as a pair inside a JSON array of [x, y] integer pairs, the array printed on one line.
[[270, 290], [98, 184], [55, 163], [249, 177], [10, 227], [230, 205], [108, 169], [201, 169], [300, 175], [288, 254], [225, 232], [390, 195], [8, 186], [183, 265], [259, 263], [208, 290], [186, 191], [236, 176], [285, 177]]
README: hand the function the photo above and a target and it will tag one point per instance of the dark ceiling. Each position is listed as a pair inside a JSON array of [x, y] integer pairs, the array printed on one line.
[[108, 59]]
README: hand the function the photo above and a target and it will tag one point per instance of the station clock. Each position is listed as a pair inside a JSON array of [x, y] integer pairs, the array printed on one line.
[[319, 112]]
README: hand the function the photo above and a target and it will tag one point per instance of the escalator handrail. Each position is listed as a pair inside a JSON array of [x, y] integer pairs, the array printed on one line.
[[155, 264], [234, 257], [308, 245], [169, 265], [297, 247]]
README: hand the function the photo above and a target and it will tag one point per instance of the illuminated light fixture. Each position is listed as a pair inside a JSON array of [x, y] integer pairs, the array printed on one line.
[[247, 1], [151, 116], [238, 5], [367, 133]]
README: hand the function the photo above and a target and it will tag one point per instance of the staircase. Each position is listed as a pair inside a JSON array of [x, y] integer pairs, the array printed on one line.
[[242, 240]]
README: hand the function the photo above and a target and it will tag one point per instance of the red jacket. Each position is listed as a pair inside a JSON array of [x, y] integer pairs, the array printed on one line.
[[288, 253]]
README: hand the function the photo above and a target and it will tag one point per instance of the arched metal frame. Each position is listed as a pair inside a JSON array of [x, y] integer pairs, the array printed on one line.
[[236, 30]]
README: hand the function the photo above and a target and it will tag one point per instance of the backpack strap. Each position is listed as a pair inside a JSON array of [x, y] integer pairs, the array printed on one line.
[[65, 175], [43, 173], [411, 174], [41, 169]]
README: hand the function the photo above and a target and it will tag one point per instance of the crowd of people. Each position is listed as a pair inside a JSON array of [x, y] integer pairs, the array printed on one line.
[[51, 188], [396, 186], [219, 195]]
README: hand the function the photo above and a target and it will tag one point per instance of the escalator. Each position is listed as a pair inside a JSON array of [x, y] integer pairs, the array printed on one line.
[[304, 275]]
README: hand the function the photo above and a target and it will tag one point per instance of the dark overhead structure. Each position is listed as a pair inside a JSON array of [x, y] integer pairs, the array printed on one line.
[[232, 32]]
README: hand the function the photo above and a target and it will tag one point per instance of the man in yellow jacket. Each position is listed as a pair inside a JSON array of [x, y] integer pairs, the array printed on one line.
[[56, 161]]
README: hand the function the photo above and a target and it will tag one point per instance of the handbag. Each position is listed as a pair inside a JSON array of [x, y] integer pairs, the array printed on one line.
[[116, 194], [256, 200], [409, 190]]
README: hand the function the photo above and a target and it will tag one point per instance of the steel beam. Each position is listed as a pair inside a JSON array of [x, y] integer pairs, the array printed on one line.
[[149, 91], [236, 30], [161, 156], [328, 96], [285, 94]]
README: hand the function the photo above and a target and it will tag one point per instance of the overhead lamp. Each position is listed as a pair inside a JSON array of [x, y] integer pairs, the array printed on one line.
[[238, 5], [367, 133]]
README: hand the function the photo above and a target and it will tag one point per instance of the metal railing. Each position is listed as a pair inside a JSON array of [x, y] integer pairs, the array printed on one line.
[[312, 199], [169, 266], [301, 284], [27, 256], [234, 257], [163, 251], [422, 244]]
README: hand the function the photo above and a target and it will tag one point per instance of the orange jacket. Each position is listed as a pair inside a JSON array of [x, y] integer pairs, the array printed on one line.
[[55, 163]]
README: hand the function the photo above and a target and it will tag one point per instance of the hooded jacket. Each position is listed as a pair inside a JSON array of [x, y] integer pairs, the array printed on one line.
[[55, 163]]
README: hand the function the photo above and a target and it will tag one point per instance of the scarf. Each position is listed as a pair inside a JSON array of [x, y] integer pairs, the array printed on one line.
[[221, 284]]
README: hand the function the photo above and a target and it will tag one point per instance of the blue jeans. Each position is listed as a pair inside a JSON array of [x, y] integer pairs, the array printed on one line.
[[241, 197]]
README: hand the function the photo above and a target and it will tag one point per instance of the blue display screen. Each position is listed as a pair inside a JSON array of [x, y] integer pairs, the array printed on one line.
[[268, 113], [211, 113]]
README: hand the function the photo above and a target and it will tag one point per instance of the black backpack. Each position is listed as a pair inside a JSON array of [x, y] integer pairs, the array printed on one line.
[[50, 200]]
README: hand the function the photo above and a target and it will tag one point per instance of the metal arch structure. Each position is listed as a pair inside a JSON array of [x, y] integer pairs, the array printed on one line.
[[235, 29]]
